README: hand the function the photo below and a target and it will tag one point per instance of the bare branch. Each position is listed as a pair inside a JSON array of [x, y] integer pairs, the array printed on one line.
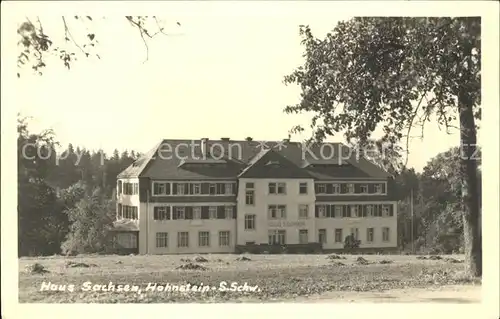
[[410, 125], [68, 35]]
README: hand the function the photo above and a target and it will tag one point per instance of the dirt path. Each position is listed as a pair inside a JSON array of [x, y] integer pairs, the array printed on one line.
[[446, 294]]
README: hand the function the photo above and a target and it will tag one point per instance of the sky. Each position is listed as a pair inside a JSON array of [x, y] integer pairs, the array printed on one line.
[[219, 74]]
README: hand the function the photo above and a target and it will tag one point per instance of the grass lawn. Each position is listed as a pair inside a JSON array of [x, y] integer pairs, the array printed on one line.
[[274, 277]]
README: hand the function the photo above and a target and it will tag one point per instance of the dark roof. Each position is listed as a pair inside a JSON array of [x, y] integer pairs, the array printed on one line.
[[251, 159]]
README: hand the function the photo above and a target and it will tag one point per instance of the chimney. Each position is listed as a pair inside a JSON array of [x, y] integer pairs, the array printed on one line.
[[249, 139], [203, 146], [286, 140], [225, 139]]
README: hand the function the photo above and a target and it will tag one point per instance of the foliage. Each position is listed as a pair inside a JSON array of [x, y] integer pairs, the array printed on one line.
[[50, 183], [91, 221], [351, 243], [394, 74], [35, 45], [437, 221], [391, 63]]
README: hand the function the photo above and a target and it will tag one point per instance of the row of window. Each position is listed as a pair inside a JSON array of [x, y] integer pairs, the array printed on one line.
[[324, 211], [339, 235], [275, 237], [354, 211], [349, 188], [127, 212], [274, 212], [167, 188], [128, 188], [278, 236], [194, 212], [162, 239]]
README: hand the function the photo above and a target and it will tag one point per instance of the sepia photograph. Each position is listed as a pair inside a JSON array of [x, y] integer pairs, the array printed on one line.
[[241, 152]]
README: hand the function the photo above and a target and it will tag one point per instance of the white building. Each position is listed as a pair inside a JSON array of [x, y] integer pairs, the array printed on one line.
[[225, 196]]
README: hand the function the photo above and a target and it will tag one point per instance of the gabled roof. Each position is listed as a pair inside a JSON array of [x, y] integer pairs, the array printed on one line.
[[270, 164], [238, 158]]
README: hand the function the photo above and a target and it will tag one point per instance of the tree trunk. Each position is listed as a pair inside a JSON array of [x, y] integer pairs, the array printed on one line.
[[470, 195]]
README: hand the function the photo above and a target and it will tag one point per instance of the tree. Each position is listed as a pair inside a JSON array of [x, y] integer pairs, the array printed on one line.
[[351, 243], [395, 74], [41, 223], [35, 45], [91, 221]]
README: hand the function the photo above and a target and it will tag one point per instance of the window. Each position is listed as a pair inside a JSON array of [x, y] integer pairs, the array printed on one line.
[[369, 210], [228, 188], [203, 239], [282, 211], [161, 213], [350, 188], [321, 189], [385, 234], [364, 189], [119, 211], [183, 239], [303, 236], [223, 238], [250, 222], [196, 189], [161, 240], [249, 197], [336, 188], [130, 188], [228, 211], [277, 237], [181, 189], [212, 189], [369, 235], [196, 212], [160, 188], [378, 188], [212, 211], [322, 211], [277, 188], [386, 210], [354, 211], [303, 188], [338, 235], [126, 240], [355, 232], [272, 188], [338, 211], [249, 185], [303, 211], [281, 188], [276, 211], [272, 211], [322, 236], [180, 212], [129, 212]]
